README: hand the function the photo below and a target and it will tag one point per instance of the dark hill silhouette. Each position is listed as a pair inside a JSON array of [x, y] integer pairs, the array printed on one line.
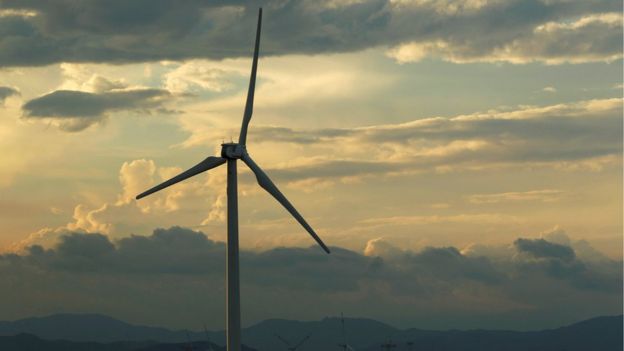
[[90, 327], [195, 346], [324, 334], [601, 333], [27, 342], [97, 332]]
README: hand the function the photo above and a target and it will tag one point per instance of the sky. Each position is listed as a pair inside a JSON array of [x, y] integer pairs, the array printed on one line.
[[463, 159]]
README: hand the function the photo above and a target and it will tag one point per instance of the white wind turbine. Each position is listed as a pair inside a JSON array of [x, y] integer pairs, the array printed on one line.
[[230, 153]]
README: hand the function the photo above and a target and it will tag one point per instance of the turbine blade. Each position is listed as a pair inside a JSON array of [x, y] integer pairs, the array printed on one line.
[[265, 182], [208, 163], [242, 139]]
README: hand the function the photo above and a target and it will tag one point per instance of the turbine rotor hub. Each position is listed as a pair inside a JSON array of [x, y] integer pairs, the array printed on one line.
[[232, 150]]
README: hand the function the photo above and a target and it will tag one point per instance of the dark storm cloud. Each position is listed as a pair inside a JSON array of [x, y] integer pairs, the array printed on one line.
[[5, 92], [540, 248], [71, 104], [560, 262], [117, 31], [308, 269], [167, 251], [164, 276], [82, 109], [190, 252], [183, 251], [449, 264]]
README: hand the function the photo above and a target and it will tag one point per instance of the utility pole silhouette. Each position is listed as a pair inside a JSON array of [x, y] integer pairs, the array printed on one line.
[[344, 346], [189, 346], [289, 346], [388, 345]]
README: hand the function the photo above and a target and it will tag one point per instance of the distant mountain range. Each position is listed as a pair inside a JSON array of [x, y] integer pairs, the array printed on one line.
[[92, 332], [89, 327], [29, 342]]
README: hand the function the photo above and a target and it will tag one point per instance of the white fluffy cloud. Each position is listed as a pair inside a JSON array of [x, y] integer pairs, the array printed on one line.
[[125, 215], [382, 248]]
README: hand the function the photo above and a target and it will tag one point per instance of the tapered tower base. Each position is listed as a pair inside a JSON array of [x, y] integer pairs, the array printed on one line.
[[232, 276]]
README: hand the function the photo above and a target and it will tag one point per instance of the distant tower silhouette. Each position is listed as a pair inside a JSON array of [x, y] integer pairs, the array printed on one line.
[[344, 346], [189, 346], [208, 342], [388, 346], [291, 347]]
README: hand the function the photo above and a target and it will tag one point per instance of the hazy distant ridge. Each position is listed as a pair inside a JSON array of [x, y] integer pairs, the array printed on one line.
[[601, 333]]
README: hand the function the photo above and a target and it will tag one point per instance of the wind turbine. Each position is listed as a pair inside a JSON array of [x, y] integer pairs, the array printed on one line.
[[230, 153], [290, 347]]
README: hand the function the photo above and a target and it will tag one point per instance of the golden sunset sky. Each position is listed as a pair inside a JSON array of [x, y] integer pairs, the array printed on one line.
[[393, 126]]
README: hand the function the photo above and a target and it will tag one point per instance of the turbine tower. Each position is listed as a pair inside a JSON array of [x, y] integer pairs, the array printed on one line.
[[289, 346], [230, 153]]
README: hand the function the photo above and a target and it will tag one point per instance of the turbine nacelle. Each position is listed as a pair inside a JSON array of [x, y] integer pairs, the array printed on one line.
[[233, 151]]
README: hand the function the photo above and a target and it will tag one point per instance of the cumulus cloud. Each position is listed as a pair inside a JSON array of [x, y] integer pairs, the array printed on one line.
[[381, 247], [6, 92], [465, 31], [542, 249], [560, 262], [122, 214], [135, 176], [87, 219], [135, 273], [582, 249], [77, 110], [217, 211], [450, 264]]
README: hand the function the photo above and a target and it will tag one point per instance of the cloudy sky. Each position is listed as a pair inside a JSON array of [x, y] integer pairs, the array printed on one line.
[[463, 158]]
